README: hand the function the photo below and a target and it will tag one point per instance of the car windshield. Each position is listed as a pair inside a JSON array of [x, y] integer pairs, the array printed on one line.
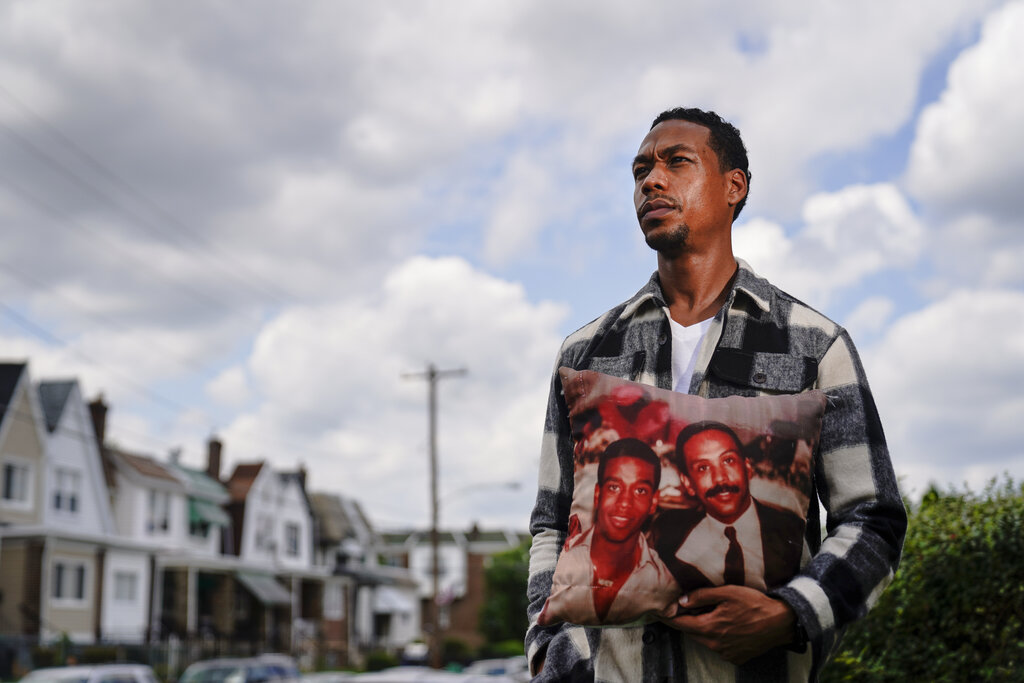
[[214, 674], [54, 677]]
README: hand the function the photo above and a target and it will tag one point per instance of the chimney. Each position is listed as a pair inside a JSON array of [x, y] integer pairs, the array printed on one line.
[[302, 476], [98, 411], [213, 449]]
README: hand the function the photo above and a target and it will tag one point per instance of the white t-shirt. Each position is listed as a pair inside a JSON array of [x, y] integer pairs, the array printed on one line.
[[685, 343]]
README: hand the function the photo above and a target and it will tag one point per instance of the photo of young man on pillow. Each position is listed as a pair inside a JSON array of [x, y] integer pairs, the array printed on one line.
[[612, 558]]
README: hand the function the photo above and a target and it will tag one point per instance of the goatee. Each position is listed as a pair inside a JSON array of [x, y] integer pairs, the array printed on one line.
[[669, 244]]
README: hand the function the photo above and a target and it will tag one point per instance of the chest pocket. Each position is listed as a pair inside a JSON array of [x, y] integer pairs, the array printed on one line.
[[625, 367], [778, 373]]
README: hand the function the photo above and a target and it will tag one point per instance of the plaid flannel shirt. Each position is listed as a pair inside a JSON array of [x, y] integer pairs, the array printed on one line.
[[762, 341]]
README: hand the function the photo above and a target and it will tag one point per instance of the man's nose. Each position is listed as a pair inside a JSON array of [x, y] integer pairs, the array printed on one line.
[[655, 180]]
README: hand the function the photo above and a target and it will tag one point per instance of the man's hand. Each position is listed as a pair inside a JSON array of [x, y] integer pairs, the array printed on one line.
[[741, 623]]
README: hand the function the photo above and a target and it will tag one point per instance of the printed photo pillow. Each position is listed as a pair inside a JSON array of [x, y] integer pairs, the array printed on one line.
[[676, 492]]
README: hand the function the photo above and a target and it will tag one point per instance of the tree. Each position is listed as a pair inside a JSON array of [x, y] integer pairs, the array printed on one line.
[[955, 611], [503, 614]]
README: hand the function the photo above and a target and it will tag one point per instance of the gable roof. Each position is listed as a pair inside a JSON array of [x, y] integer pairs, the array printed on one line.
[[54, 397], [241, 480], [10, 375], [199, 484], [145, 466]]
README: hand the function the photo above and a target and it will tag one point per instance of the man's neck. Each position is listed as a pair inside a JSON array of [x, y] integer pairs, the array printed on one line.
[[696, 285], [614, 560]]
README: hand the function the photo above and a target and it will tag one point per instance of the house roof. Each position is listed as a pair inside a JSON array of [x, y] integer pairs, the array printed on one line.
[[145, 466], [10, 373], [332, 521], [199, 484], [54, 397], [241, 480]]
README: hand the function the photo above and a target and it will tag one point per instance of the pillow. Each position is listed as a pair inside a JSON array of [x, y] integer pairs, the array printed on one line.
[[675, 492]]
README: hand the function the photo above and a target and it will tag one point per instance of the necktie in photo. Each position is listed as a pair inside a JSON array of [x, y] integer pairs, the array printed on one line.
[[734, 574]]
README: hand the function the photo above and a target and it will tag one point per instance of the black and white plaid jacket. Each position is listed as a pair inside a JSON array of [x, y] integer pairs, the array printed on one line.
[[763, 341]]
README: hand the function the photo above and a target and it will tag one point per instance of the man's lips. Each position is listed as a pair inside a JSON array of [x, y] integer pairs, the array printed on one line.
[[620, 521], [656, 208]]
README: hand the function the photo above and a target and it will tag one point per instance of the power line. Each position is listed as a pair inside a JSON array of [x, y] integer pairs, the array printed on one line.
[[249, 278]]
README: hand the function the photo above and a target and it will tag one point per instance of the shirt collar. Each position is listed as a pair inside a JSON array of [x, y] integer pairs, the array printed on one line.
[[746, 283]]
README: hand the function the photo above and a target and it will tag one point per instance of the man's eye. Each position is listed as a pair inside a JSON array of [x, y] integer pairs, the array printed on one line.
[[639, 172], [642, 491], [679, 159]]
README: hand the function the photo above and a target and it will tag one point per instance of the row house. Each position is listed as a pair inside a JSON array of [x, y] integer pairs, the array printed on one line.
[[64, 569], [378, 604], [463, 557], [100, 544]]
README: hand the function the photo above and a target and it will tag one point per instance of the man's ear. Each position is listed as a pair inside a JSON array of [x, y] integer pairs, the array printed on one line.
[[736, 188], [597, 502], [654, 503]]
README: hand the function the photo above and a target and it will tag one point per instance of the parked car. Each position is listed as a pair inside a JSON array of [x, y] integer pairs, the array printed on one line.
[[516, 668], [92, 673], [268, 668]]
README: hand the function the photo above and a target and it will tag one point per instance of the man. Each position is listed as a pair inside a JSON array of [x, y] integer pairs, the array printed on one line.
[[613, 557], [691, 182], [732, 538]]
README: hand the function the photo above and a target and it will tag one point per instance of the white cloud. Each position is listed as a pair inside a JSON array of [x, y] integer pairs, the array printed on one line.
[[869, 317], [846, 237], [963, 158], [333, 388], [947, 382]]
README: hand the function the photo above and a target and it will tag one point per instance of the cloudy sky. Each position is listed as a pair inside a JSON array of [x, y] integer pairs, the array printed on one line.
[[254, 219]]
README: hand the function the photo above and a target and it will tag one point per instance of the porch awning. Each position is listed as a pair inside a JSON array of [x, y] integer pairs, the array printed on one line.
[[265, 588], [389, 600], [205, 511]]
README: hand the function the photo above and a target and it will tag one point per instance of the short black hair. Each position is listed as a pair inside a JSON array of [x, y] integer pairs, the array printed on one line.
[[695, 428], [724, 140], [630, 448]]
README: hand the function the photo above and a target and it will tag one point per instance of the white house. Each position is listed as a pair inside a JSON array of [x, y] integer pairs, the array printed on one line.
[[59, 550]]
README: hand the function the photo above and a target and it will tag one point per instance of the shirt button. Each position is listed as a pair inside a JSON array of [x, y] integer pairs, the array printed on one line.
[[662, 338], [760, 377], [648, 637]]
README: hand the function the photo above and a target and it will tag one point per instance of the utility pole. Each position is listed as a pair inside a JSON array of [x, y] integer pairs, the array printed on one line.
[[432, 375]]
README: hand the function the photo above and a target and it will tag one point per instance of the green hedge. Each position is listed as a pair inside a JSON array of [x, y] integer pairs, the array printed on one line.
[[955, 611]]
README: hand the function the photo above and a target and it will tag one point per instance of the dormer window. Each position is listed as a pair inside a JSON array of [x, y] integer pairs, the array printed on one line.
[[16, 484], [291, 539], [67, 491], [159, 513]]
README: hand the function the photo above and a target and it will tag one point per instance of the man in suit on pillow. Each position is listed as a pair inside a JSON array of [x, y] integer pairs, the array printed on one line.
[[609, 574], [733, 538]]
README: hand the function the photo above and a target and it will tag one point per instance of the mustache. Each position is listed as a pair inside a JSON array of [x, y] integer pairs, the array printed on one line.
[[720, 489]]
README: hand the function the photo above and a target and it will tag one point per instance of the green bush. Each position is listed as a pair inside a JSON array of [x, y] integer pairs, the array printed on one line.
[[45, 656], [955, 611], [457, 651], [379, 660], [506, 648], [503, 613], [98, 654]]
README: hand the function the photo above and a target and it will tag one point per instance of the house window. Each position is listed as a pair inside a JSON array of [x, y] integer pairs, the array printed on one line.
[[265, 532], [291, 539], [68, 490], [334, 601], [159, 512], [125, 586], [69, 581], [16, 484]]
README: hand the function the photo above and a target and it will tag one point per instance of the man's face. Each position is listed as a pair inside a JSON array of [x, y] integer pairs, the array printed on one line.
[[624, 499], [681, 196], [717, 474]]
